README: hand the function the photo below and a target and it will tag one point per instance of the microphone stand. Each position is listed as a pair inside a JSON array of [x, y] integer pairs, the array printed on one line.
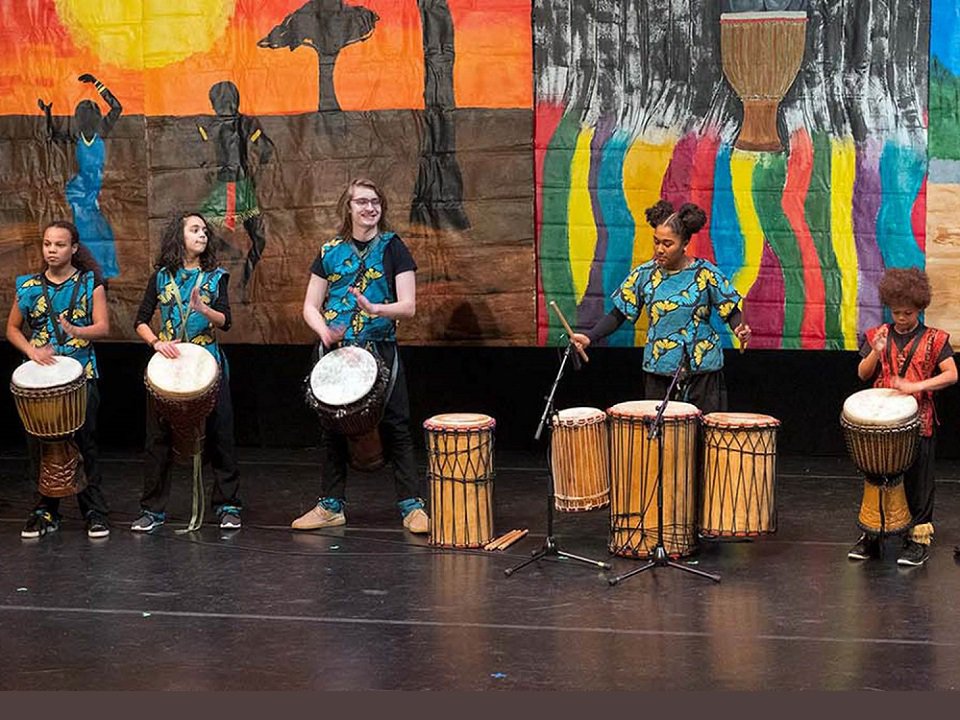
[[551, 547], [660, 558]]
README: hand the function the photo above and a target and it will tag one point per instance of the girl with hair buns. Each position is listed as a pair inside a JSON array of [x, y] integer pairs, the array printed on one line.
[[678, 294]]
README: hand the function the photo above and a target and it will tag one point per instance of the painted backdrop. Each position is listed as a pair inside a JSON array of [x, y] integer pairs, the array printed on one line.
[[819, 135], [800, 127], [114, 113], [943, 204]]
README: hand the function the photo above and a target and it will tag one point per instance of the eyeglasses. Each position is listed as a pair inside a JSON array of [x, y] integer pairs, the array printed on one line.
[[365, 202]]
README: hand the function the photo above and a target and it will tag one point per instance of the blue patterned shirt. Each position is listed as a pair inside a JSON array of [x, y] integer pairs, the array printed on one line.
[[678, 305]]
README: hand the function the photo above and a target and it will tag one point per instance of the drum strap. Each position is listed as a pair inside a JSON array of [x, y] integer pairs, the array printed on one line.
[[184, 313], [393, 374], [913, 346], [57, 330], [196, 511]]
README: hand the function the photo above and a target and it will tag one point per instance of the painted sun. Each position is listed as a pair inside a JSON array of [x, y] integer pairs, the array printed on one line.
[[140, 34]]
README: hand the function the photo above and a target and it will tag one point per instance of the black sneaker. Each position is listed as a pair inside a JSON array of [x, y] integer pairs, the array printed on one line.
[[867, 547], [97, 526], [913, 554], [39, 524]]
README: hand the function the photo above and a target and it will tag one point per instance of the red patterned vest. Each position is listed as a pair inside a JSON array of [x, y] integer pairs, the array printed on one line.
[[923, 365]]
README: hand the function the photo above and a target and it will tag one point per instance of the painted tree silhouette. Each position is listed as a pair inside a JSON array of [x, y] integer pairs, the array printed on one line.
[[438, 196], [327, 27]]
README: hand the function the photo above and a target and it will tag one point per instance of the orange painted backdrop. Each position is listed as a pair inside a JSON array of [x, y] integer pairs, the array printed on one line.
[[493, 66]]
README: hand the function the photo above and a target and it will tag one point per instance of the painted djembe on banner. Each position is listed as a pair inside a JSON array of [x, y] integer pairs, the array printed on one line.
[[761, 54]]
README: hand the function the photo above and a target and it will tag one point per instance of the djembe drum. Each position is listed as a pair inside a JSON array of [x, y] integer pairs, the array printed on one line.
[[579, 458], [634, 465], [183, 391], [739, 475], [761, 54], [460, 473], [882, 433], [52, 403], [347, 388]]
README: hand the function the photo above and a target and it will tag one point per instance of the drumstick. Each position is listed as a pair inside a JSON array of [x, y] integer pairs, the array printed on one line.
[[493, 544], [498, 543], [519, 535], [566, 326]]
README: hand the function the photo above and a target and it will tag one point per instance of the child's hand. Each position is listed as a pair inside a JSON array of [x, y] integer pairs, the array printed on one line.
[[167, 348], [905, 386], [196, 302], [880, 340]]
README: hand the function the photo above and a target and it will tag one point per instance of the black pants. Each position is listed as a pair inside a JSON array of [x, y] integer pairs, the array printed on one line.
[[918, 482], [218, 450], [707, 391], [90, 499], [394, 434]]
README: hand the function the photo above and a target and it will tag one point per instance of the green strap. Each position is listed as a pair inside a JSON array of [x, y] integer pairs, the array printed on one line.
[[184, 314], [196, 514]]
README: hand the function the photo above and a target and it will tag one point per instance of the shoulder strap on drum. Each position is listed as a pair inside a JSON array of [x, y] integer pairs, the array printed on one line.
[[184, 313], [914, 346], [393, 374]]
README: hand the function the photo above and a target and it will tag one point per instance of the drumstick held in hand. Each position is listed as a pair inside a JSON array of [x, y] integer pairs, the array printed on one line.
[[566, 326]]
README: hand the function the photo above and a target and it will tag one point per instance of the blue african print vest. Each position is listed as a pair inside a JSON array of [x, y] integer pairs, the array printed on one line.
[[345, 268], [678, 305], [177, 322], [43, 319]]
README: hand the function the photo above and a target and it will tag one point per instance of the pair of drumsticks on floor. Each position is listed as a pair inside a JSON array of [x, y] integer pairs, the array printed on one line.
[[505, 540]]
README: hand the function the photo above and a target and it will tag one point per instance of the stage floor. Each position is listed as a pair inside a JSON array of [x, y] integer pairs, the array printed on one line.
[[370, 606]]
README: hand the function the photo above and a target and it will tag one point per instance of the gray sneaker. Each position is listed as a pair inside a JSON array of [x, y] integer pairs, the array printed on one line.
[[147, 521], [229, 518]]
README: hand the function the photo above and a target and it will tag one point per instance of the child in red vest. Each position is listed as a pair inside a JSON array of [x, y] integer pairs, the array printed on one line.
[[912, 358]]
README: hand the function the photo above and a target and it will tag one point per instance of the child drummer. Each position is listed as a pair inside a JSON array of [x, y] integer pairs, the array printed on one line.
[[65, 308], [191, 291], [910, 357]]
